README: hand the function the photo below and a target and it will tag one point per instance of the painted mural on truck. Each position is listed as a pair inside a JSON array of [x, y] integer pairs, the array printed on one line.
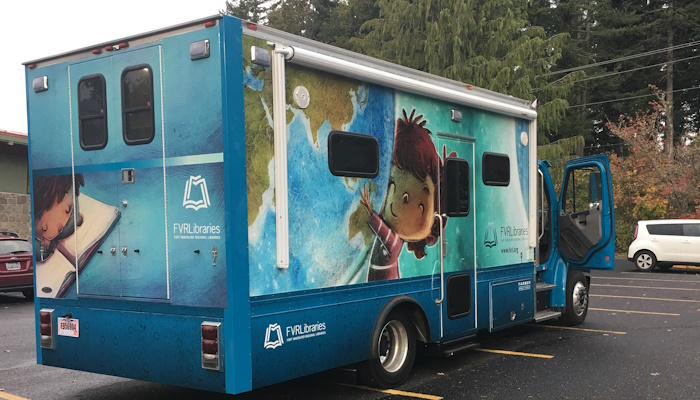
[[144, 220], [346, 230]]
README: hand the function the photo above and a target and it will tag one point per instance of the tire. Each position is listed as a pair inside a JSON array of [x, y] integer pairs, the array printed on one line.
[[664, 267], [576, 299], [645, 261], [28, 293], [392, 352]]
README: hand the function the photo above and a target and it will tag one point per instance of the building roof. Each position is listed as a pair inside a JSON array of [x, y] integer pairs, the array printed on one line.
[[11, 137]]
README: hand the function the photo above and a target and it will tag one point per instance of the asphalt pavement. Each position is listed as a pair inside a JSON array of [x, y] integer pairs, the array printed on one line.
[[639, 341]]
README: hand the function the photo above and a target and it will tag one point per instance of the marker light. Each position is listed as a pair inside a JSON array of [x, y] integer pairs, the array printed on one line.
[[48, 335], [211, 345]]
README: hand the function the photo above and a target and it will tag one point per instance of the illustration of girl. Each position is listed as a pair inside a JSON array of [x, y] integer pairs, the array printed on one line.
[[54, 210], [407, 214]]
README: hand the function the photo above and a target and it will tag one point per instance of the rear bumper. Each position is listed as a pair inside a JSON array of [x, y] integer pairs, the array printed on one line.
[[16, 282]]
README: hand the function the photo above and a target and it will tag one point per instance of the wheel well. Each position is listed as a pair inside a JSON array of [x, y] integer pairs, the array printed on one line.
[[643, 250], [413, 310]]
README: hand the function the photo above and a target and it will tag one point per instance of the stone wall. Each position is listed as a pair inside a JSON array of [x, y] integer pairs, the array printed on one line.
[[15, 214]]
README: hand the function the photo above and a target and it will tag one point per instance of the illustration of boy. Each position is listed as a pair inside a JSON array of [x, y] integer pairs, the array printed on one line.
[[407, 214], [54, 211]]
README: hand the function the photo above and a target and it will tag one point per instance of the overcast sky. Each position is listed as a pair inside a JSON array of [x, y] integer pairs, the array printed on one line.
[[40, 28]]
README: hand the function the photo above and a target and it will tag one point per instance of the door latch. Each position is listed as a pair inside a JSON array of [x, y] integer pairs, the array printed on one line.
[[113, 250], [214, 253], [124, 251]]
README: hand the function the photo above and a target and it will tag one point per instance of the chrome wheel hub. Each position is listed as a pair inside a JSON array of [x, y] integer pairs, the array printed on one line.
[[580, 298], [393, 346]]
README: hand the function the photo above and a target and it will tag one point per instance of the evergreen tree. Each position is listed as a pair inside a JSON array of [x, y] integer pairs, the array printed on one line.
[[489, 44], [249, 10], [345, 21]]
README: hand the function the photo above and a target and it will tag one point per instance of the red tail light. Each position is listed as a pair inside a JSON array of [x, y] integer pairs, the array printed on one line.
[[47, 339], [211, 345], [636, 229]]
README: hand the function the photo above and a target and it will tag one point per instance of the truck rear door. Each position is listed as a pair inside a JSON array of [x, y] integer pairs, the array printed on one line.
[[587, 215]]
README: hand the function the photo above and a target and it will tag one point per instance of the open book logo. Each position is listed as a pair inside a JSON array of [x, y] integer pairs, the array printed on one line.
[[490, 238], [198, 199], [273, 336]]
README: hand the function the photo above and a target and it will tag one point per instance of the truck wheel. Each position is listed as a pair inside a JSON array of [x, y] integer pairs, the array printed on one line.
[[576, 299], [392, 352], [645, 261]]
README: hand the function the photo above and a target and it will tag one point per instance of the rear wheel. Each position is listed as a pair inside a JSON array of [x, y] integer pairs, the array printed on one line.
[[645, 261], [393, 351], [576, 299]]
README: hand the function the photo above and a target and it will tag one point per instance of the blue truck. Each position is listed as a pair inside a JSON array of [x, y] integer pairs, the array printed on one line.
[[223, 206]]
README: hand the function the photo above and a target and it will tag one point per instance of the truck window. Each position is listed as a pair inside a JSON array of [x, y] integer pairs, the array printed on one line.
[[138, 123], [582, 191], [92, 112], [495, 169], [457, 181], [353, 154]]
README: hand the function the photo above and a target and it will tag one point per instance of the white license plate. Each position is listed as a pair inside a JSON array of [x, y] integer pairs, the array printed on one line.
[[12, 266], [68, 327]]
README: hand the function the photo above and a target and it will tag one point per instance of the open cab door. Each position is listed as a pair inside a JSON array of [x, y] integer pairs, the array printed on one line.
[[587, 214]]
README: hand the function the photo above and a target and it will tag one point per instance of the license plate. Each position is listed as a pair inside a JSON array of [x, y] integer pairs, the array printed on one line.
[[68, 327], [12, 266]]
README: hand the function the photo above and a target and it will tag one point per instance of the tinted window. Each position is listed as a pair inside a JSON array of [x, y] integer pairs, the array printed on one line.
[[353, 154], [495, 169], [138, 123], [457, 181], [665, 229], [691, 229], [92, 112]]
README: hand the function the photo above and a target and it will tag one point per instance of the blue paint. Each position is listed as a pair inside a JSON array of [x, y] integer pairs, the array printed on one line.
[[140, 314], [238, 369]]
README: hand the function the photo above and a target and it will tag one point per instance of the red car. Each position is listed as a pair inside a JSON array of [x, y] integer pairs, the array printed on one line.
[[16, 265]]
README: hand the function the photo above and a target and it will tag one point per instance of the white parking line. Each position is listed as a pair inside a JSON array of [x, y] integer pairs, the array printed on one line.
[[634, 312], [571, 328], [644, 298], [645, 279], [642, 287]]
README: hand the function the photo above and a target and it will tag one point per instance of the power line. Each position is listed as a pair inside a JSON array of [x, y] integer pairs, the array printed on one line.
[[635, 69], [621, 72], [631, 97], [626, 58]]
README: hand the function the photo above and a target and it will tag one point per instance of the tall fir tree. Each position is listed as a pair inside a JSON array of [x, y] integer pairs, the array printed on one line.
[[489, 44], [249, 10]]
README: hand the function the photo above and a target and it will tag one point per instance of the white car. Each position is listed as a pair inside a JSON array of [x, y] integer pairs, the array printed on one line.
[[663, 243]]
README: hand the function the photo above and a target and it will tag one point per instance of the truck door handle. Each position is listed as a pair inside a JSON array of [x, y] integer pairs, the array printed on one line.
[[113, 250]]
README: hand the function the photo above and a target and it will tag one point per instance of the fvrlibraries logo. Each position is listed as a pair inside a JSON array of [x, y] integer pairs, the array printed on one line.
[[197, 202], [271, 343], [491, 236]]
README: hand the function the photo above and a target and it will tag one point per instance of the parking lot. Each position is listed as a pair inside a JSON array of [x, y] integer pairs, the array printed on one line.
[[640, 340]]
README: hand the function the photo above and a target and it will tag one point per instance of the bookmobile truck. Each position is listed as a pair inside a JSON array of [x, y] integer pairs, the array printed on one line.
[[223, 206]]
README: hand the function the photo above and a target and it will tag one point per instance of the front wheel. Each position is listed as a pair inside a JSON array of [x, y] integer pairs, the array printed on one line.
[[645, 261], [576, 299], [393, 351]]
